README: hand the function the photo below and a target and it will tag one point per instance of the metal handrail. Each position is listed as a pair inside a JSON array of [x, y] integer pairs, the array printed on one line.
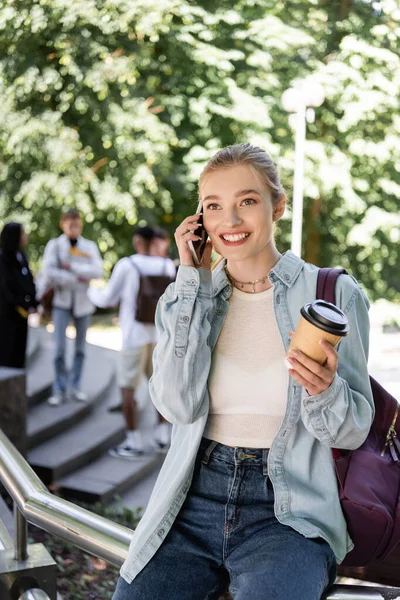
[[34, 594], [84, 529], [92, 533]]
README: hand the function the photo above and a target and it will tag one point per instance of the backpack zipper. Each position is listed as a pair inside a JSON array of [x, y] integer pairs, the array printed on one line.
[[391, 438]]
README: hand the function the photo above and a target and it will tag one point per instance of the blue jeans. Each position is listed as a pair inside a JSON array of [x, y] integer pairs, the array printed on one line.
[[226, 530], [61, 319]]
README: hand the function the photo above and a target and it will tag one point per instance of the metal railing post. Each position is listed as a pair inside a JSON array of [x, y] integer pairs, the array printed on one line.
[[20, 536]]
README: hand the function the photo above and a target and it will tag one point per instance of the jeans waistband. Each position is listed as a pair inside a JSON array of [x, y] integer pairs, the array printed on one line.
[[237, 456]]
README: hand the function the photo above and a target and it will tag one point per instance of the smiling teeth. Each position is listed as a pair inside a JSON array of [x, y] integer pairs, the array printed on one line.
[[235, 238]]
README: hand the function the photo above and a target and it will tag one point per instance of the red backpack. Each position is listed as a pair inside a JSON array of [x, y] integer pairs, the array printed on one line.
[[369, 477]]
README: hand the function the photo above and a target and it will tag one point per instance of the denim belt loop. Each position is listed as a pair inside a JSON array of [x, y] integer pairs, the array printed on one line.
[[208, 452], [265, 460]]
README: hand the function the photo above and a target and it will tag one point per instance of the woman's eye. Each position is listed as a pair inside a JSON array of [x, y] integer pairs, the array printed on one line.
[[212, 207], [248, 201]]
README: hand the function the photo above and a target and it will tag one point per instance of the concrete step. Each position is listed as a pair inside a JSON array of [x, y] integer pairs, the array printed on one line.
[[44, 421], [33, 344], [39, 373], [83, 443], [104, 478], [139, 495]]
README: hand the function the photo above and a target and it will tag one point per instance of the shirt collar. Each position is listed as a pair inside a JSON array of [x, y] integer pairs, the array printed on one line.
[[287, 269]]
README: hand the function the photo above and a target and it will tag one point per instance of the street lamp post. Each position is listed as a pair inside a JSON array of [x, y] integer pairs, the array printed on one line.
[[296, 100]]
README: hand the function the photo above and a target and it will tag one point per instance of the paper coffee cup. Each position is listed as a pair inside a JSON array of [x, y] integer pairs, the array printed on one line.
[[319, 320]]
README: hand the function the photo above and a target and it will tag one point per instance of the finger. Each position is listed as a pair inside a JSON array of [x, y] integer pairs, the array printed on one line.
[[189, 235], [190, 220], [331, 355], [310, 364], [291, 333], [303, 382], [192, 227], [306, 374], [181, 231]]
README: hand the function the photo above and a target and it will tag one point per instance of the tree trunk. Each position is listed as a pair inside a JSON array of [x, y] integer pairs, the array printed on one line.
[[345, 6], [312, 245]]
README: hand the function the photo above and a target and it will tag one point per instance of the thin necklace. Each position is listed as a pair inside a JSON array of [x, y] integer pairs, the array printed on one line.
[[243, 283]]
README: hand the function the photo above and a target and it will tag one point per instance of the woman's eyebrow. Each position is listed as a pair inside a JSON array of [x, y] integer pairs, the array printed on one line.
[[237, 195], [246, 192]]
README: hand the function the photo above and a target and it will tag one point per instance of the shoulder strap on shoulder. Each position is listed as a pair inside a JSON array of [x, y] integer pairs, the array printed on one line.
[[326, 283]]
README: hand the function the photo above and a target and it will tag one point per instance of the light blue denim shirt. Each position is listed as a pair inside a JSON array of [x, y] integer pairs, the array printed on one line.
[[189, 319]]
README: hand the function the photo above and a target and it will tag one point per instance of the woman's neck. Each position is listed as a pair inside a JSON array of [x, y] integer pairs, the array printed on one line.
[[253, 269]]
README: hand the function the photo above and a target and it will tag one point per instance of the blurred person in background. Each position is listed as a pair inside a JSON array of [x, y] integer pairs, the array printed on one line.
[[17, 296], [138, 338], [69, 263], [160, 243]]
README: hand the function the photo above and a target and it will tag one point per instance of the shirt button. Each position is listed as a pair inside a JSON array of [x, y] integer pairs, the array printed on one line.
[[185, 319], [27, 298], [161, 532], [287, 277]]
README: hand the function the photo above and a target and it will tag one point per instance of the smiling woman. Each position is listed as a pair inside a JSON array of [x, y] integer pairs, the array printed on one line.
[[247, 493], [239, 216]]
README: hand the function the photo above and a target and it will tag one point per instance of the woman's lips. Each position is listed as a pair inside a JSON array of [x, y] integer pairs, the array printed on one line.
[[236, 242]]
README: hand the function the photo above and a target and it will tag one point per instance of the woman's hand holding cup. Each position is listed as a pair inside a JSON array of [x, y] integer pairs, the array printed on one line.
[[187, 232], [310, 374]]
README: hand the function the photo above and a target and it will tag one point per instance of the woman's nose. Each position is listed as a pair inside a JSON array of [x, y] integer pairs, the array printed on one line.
[[233, 218]]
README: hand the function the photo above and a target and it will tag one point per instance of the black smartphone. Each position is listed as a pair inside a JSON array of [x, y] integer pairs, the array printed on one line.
[[197, 247]]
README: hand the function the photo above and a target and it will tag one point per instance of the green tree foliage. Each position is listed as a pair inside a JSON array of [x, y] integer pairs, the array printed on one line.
[[114, 106]]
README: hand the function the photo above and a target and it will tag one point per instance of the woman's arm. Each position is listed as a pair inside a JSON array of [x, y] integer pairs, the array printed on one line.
[[10, 292], [341, 416], [182, 357]]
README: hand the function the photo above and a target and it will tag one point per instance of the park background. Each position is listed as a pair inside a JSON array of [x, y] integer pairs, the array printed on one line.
[[114, 106]]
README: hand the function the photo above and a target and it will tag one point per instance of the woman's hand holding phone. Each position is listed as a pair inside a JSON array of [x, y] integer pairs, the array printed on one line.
[[187, 232]]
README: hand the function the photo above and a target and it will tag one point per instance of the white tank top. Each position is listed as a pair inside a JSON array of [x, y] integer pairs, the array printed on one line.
[[248, 382]]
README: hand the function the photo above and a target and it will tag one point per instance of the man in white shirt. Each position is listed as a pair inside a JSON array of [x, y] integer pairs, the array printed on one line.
[[138, 338], [69, 263]]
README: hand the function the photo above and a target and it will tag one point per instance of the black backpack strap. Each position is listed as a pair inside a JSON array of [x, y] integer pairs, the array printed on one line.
[[326, 283]]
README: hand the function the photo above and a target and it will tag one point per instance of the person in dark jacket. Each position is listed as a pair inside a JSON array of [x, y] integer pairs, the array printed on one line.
[[17, 296]]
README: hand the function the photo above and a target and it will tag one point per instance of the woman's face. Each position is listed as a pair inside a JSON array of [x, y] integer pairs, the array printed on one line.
[[238, 212]]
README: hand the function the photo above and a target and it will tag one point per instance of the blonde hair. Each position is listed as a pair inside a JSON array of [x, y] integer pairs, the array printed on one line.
[[251, 156]]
